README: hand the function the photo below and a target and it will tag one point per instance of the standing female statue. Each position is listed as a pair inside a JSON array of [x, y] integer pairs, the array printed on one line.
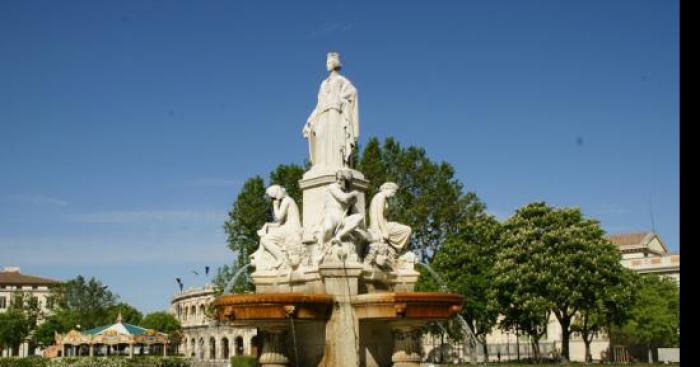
[[333, 126]]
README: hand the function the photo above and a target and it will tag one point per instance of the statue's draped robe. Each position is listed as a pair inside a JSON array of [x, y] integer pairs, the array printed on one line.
[[334, 123], [399, 234]]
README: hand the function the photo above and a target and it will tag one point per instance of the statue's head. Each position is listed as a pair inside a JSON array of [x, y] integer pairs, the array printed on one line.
[[389, 188], [276, 192], [343, 177], [333, 61]]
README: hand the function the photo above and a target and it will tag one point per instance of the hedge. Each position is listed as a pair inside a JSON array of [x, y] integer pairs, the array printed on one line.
[[244, 361]]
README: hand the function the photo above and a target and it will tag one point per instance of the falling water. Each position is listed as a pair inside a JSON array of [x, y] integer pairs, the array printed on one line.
[[232, 282], [470, 340], [434, 274], [294, 340]]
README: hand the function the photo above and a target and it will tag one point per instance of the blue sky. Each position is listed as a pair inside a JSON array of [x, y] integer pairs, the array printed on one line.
[[127, 127]]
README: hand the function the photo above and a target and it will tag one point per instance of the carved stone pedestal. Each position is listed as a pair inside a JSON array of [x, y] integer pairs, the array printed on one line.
[[273, 347], [406, 346]]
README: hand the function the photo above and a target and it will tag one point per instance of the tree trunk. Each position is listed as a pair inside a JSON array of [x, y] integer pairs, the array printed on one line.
[[587, 344], [610, 342], [536, 349], [485, 349], [517, 343], [565, 336]]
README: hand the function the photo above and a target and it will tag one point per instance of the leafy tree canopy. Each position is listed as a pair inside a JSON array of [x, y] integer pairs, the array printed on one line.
[[165, 323], [13, 328], [431, 199], [129, 314], [654, 317], [556, 259], [87, 304], [465, 264]]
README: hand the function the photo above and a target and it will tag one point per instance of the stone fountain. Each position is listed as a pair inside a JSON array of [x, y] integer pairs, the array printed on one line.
[[334, 287]]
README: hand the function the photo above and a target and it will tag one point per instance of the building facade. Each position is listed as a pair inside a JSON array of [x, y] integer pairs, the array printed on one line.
[[14, 284], [203, 338], [642, 252]]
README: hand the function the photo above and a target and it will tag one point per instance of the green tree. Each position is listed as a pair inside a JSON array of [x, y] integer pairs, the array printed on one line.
[[654, 317], [288, 176], [605, 305], [14, 328], [44, 335], [130, 315], [430, 199], [465, 263], [85, 302], [165, 323], [523, 309], [28, 304], [558, 258]]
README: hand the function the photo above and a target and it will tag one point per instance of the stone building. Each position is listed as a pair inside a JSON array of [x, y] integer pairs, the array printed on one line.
[[14, 283], [203, 339], [643, 252]]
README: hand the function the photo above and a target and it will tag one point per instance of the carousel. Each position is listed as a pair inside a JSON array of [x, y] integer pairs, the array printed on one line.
[[118, 339]]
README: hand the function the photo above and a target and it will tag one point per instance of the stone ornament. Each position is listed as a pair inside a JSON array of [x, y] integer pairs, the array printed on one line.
[[341, 224], [389, 246], [333, 126], [280, 241]]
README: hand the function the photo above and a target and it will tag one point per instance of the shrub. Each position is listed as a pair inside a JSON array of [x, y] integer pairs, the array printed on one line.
[[244, 361], [23, 362]]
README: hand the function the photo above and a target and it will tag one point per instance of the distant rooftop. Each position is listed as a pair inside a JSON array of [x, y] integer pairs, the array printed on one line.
[[637, 240], [13, 276]]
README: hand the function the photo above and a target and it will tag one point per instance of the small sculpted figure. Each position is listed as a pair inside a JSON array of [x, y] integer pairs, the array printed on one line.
[[333, 126], [277, 238], [389, 239], [340, 214]]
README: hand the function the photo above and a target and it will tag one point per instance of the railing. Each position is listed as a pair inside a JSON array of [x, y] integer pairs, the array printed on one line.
[[455, 352]]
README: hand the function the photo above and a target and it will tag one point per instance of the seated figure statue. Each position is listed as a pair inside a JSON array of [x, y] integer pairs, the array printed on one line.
[[341, 218], [389, 239], [278, 239]]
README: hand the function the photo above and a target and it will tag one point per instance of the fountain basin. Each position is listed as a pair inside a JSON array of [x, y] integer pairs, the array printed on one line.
[[426, 306], [273, 306]]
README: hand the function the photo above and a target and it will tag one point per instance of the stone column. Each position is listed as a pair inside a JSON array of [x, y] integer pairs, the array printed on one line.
[[342, 329], [273, 348], [406, 347]]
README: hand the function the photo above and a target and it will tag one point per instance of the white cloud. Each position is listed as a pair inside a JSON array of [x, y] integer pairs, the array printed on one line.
[[141, 216], [95, 250], [36, 200]]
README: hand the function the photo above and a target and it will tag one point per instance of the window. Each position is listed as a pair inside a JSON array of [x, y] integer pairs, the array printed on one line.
[[3, 302]]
